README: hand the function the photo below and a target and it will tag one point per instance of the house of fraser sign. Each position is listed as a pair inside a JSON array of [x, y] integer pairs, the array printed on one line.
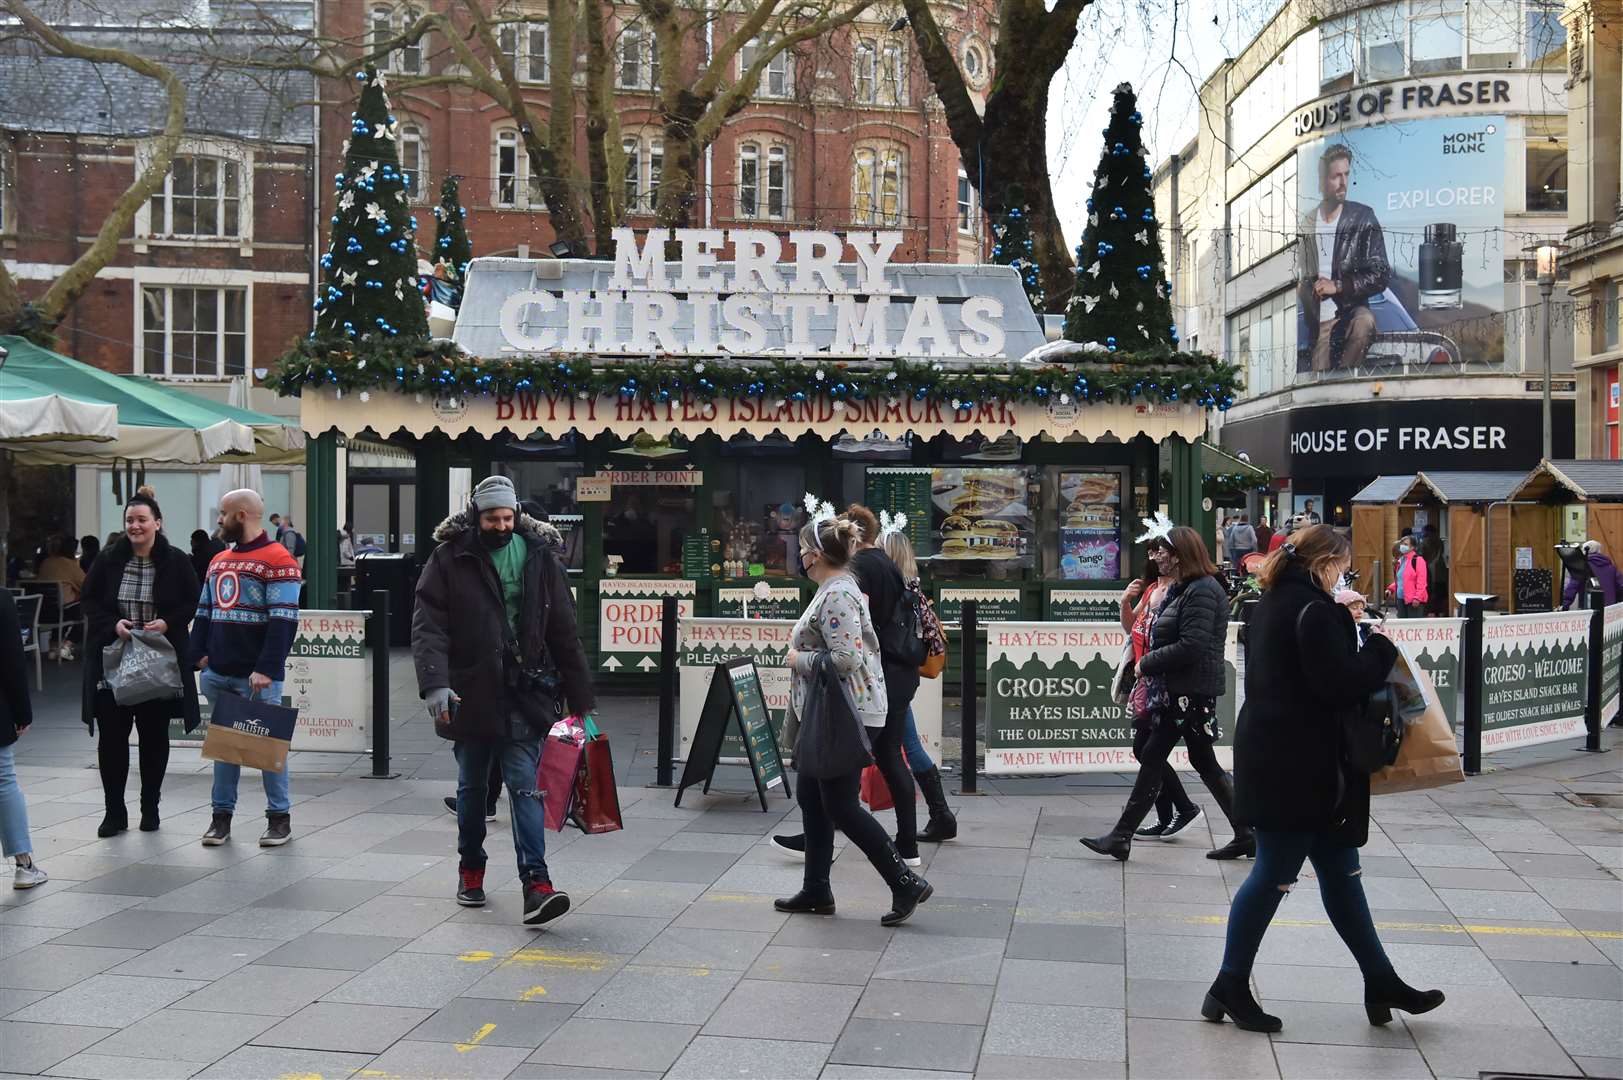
[[695, 305]]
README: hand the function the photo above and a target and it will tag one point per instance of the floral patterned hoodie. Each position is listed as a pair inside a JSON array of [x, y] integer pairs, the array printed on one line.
[[837, 622]]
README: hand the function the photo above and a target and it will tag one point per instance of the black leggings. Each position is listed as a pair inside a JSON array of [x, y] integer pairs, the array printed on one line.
[[887, 752], [1172, 797], [150, 720], [1153, 769], [825, 804]]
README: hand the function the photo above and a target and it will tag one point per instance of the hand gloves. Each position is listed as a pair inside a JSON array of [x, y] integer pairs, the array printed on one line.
[[438, 702]]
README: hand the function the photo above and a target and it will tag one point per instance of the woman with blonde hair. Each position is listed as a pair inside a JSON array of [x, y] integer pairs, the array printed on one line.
[[1304, 674]]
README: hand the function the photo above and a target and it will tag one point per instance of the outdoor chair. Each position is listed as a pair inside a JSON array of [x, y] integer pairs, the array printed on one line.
[[57, 620]]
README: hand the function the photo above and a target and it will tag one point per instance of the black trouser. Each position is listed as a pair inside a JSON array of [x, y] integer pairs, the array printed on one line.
[[831, 803], [1164, 733], [151, 723], [1172, 797], [887, 752]]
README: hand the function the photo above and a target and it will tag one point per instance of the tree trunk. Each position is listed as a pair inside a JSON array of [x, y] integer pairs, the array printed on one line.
[[1013, 153], [598, 123], [679, 180]]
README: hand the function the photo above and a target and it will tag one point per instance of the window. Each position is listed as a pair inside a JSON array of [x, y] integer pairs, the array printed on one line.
[[385, 24], [5, 190], [194, 332], [866, 74], [974, 66], [1492, 39], [1384, 37], [1546, 37], [526, 46], [656, 166], [775, 78], [1546, 165], [892, 74], [749, 180], [1263, 218], [777, 183], [1336, 53], [1438, 36], [632, 150], [515, 187], [638, 68], [414, 161], [877, 186], [1613, 314], [201, 196], [966, 204], [1262, 341]]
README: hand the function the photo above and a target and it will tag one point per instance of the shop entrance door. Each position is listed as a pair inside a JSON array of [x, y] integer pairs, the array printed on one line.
[[383, 514]]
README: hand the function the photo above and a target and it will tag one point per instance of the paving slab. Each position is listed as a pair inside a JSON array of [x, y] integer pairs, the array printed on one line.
[[130, 929], [410, 1059], [615, 1044], [668, 995], [1057, 1031], [766, 1059], [1178, 1049], [907, 1044], [259, 1062], [489, 1022], [185, 1034], [760, 1009], [114, 1000], [95, 1066], [33, 1048], [1299, 1061], [328, 1025], [56, 967]]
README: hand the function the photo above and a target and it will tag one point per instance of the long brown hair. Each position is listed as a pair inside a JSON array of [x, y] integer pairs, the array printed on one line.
[[1193, 559], [1313, 546]]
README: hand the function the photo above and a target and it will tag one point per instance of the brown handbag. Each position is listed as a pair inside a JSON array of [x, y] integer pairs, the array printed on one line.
[[597, 804]]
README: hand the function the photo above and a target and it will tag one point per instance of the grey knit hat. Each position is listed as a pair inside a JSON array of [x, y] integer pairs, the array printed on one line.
[[495, 493]]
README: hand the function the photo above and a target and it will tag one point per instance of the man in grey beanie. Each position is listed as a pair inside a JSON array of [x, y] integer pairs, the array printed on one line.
[[496, 578]]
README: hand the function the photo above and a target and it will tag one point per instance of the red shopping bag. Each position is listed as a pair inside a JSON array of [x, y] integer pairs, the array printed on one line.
[[597, 804], [561, 753], [875, 792]]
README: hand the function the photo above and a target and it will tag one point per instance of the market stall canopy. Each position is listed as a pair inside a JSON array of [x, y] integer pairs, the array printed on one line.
[[643, 314], [1587, 481], [1386, 489], [1464, 488], [155, 423], [1215, 461], [32, 411]]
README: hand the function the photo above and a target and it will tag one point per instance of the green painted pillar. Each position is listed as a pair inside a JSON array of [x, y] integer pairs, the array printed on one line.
[[433, 469], [321, 512], [1184, 501]]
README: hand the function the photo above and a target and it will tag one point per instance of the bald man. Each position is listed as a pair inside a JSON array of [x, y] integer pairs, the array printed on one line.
[[246, 620]]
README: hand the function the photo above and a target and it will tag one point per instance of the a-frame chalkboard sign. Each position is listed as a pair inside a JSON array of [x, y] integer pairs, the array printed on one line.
[[735, 691]]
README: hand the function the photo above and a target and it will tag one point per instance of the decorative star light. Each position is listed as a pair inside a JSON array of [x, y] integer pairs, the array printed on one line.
[[1090, 302]]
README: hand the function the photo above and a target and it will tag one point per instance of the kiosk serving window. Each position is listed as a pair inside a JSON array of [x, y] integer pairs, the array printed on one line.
[[755, 505], [644, 525]]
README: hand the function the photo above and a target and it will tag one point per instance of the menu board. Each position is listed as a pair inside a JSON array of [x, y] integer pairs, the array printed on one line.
[[982, 514], [1090, 526], [759, 740], [696, 555], [902, 491]]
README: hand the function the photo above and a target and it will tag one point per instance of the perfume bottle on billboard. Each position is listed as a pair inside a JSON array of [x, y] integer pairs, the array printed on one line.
[[1441, 268]]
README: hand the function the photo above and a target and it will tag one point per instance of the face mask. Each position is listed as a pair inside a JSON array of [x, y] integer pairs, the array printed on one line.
[[495, 539]]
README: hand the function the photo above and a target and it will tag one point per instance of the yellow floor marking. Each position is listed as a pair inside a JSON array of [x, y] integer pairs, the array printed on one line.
[[577, 961], [532, 993], [300, 1076], [478, 1037]]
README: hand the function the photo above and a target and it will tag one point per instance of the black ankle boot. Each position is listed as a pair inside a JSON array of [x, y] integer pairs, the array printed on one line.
[[114, 822], [1115, 844], [1381, 996], [1243, 846], [814, 898], [1232, 997], [943, 825], [149, 819], [906, 895]]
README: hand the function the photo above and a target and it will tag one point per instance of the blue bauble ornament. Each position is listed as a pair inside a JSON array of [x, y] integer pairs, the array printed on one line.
[[1148, 215]]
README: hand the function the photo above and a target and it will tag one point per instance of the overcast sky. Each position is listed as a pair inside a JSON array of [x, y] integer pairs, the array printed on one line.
[[1133, 41]]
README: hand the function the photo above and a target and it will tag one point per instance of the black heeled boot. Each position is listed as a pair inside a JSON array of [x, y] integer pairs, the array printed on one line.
[[114, 822], [149, 814], [943, 825], [1244, 844], [1232, 997], [814, 898], [1118, 842], [1383, 995]]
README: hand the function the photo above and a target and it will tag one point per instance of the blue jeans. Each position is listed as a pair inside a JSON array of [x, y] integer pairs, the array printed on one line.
[[1341, 887], [278, 800], [13, 807], [518, 760], [918, 758]]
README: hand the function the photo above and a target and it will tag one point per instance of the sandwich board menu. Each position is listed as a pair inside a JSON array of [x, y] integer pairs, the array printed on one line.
[[735, 694]]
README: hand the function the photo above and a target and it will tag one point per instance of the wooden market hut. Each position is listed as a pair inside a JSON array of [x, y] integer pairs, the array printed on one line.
[[1380, 512], [1569, 500]]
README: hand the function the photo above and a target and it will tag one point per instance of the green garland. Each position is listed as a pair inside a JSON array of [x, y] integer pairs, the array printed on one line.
[[440, 367]]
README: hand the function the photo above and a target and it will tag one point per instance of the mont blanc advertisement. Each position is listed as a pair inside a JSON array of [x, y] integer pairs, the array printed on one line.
[[1400, 247]]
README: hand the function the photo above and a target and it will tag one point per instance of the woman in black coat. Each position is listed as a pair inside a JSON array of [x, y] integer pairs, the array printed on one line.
[[139, 582], [1304, 674], [1180, 679]]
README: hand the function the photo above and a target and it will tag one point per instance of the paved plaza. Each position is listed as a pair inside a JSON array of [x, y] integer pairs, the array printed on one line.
[[343, 953]]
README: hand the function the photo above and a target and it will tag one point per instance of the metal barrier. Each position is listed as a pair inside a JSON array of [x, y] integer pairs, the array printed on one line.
[[378, 631], [969, 727], [1597, 665], [665, 767]]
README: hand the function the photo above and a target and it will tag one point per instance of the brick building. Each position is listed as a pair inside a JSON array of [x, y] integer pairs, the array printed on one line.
[[843, 133], [213, 278]]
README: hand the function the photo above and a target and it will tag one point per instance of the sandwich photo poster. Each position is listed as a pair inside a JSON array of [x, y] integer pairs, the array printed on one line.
[[982, 514], [1090, 526]]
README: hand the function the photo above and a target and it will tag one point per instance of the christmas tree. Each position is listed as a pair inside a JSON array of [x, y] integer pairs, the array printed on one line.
[[369, 281], [452, 248], [1122, 299], [1012, 247]]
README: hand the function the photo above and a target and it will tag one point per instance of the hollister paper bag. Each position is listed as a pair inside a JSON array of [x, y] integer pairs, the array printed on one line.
[[252, 733]]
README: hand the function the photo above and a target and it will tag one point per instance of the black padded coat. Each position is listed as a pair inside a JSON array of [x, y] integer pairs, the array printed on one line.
[[1186, 644]]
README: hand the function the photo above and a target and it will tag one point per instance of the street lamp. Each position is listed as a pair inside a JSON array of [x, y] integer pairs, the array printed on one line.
[[1547, 256]]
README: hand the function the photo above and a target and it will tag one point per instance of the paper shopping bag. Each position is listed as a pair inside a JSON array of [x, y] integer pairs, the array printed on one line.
[[257, 734], [555, 775], [597, 804], [1428, 757]]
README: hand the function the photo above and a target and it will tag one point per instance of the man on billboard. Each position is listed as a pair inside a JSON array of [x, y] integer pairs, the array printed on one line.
[[1344, 265]]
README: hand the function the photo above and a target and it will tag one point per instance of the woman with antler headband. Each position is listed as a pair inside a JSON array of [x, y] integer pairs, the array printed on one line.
[[1178, 681]]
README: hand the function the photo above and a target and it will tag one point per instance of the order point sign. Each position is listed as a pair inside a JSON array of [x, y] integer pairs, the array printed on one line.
[[630, 611]]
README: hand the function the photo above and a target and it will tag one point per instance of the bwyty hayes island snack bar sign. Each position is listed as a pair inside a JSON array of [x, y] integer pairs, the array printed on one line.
[[810, 307], [1048, 704]]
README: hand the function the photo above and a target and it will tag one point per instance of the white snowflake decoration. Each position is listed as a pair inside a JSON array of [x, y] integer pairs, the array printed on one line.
[[1157, 528], [1090, 302]]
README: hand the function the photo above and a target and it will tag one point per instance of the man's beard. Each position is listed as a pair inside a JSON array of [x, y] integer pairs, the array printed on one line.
[[234, 534], [495, 539]]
